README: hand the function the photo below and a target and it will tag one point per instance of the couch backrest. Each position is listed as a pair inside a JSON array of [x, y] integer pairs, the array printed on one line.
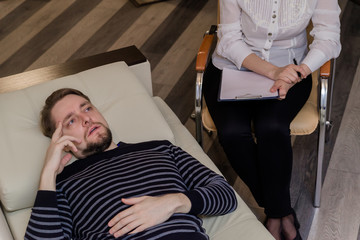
[[113, 89]]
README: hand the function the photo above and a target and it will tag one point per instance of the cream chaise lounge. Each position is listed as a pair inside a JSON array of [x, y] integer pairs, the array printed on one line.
[[119, 84]]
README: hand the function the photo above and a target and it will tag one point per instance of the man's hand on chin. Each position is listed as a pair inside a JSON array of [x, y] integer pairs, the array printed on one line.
[[54, 161]]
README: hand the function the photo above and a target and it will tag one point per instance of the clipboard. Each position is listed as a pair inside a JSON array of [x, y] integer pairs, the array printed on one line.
[[238, 85]]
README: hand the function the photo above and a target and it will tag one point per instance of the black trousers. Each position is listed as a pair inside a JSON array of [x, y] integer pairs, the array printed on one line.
[[265, 165]]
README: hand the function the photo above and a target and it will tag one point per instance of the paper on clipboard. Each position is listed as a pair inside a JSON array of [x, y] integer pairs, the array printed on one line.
[[245, 85]]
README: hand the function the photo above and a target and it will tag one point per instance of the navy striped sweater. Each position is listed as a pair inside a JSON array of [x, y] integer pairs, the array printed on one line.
[[89, 193]]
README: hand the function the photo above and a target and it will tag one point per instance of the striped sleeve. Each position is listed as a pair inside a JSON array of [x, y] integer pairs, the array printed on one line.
[[49, 220], [209, 193]]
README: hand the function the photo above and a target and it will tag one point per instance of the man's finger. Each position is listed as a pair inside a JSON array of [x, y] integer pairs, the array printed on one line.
[[127, 212], [119, 217], [132, 201], [58, 132], [65, 159], [126, 229], [124, 225], [69, 144], [139, 229]]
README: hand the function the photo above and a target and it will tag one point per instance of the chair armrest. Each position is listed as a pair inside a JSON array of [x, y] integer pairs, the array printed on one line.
[[203, 53], [204, 50], [201, 63], [325, 69], [5, 233]]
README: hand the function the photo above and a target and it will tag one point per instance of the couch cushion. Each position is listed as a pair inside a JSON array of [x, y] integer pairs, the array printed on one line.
[[113, 89]]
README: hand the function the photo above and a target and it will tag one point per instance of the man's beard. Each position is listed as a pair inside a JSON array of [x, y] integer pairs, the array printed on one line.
[[99, 146]]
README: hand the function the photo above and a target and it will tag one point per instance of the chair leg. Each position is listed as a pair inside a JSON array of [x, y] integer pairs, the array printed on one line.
[[320, 159], [328, 131], [321, 139], [198, 107], [331, 81]]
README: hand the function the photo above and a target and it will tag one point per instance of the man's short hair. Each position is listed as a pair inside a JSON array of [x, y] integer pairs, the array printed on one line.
[[48, 126]]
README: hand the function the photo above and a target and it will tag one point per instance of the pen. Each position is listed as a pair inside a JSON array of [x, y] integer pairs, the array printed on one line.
[[299, 74]]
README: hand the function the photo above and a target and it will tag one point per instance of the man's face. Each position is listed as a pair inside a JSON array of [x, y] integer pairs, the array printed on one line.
[[80, 119]]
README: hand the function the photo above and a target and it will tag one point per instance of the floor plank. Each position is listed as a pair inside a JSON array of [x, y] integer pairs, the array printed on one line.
[[50, 34], [70, 42], [144, 26], [28, 30], [183, 51], [168, 32], [8, 6], [339, 215], [348, 140], [105, 37], [18, 15]]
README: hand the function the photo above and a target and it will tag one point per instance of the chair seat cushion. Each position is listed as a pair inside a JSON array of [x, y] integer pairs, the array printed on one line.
[[305, 121]]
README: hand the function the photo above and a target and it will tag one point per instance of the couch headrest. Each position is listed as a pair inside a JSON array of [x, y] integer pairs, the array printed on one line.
[[113, 89]]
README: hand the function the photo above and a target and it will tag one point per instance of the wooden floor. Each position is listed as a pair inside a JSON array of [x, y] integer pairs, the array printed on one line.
[[38, 33]]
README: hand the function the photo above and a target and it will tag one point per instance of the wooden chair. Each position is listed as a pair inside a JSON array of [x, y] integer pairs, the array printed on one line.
[[316, 110]]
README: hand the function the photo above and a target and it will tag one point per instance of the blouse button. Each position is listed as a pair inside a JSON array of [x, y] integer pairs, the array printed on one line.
[[269, 34], [274, 16]]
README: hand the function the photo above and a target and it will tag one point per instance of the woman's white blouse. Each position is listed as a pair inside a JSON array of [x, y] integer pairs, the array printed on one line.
[[275, 30]]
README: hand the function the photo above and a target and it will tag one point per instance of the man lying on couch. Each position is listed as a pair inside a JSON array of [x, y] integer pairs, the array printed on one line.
[[149, 190]]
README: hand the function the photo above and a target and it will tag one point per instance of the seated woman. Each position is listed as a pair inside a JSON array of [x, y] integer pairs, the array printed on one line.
[[268, 37]]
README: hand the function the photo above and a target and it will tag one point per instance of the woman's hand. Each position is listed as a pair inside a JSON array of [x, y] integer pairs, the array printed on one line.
[[285, 78], [281, 86], [289, 73], [306, 70]]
